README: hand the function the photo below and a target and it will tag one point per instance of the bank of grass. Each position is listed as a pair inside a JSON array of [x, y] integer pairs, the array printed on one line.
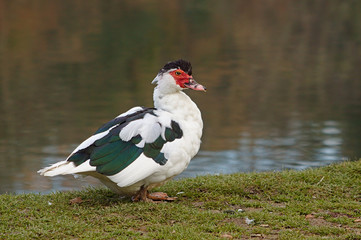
[[320, 203]]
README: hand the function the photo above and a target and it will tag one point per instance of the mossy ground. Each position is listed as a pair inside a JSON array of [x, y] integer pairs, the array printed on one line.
[[319, 203]]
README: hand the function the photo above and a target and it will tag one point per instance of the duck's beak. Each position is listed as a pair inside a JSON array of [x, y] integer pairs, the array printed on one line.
[[192, 84]]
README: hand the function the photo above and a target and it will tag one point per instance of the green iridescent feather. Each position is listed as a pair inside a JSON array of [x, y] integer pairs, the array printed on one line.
[[79, 157], [123, 160]]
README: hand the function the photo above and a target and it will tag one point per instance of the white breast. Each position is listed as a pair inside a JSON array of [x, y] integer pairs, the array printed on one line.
[[186, 113]]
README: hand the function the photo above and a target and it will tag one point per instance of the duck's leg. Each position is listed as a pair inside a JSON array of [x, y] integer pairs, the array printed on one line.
[[141, 195]]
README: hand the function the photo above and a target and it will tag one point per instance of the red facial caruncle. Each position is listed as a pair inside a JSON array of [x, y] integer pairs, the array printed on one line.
[[186, 81], [180, 77]]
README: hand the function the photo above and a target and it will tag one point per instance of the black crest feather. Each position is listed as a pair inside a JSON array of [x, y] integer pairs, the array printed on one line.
[[178, 64]]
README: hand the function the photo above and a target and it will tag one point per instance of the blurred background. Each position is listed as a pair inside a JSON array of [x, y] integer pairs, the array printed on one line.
[[283, 80]]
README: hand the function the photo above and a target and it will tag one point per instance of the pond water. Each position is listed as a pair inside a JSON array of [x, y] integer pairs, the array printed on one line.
[[283, 80]]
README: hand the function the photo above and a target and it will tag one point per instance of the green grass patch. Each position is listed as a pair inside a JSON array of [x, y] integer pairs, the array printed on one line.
[[311, 204]]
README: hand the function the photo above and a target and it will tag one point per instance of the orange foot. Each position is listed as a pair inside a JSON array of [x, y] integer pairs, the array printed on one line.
[[145, 196], [160, 196]]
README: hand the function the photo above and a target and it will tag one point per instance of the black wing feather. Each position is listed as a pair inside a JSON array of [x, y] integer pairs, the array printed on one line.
[[111, 155]]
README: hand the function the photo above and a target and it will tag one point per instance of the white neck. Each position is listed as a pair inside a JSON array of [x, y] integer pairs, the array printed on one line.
[[172, 102], [178, 104]]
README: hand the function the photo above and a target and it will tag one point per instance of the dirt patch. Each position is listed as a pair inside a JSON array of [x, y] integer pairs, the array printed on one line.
[[320, 221], [237, 221], [198, 204], [278, 205], [142, 230]]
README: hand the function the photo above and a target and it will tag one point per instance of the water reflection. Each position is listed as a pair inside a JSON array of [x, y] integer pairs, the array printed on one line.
[[282, 78], [272, 151]]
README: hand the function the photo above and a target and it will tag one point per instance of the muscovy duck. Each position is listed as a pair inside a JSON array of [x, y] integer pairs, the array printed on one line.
[[143, 147]]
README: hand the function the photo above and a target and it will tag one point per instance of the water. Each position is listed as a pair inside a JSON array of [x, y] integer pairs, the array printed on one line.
[[283, 80]]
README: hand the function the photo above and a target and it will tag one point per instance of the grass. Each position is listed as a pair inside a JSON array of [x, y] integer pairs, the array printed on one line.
[[319, 203]]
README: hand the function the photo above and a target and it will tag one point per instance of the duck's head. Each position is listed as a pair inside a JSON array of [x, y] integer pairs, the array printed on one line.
[[176, 76]]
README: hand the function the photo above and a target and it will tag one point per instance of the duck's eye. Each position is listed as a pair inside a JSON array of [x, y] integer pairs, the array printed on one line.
[[178, 73]]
